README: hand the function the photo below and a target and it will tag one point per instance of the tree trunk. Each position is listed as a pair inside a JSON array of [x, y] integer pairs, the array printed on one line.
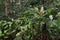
[[6, 7]]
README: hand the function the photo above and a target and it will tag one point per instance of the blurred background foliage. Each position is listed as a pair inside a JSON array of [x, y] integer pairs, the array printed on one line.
[[24, 22]]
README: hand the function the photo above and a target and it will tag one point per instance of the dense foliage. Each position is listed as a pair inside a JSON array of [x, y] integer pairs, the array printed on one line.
[[24, 22]]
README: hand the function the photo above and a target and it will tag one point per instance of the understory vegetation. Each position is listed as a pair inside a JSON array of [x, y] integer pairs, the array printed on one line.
[[20, 20]]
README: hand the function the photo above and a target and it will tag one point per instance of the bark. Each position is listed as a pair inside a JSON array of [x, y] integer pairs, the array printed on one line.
[[6, 7]]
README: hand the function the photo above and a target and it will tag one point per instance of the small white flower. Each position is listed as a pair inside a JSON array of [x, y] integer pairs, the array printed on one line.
[[51, 17], [12, 19], [42, 9]]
